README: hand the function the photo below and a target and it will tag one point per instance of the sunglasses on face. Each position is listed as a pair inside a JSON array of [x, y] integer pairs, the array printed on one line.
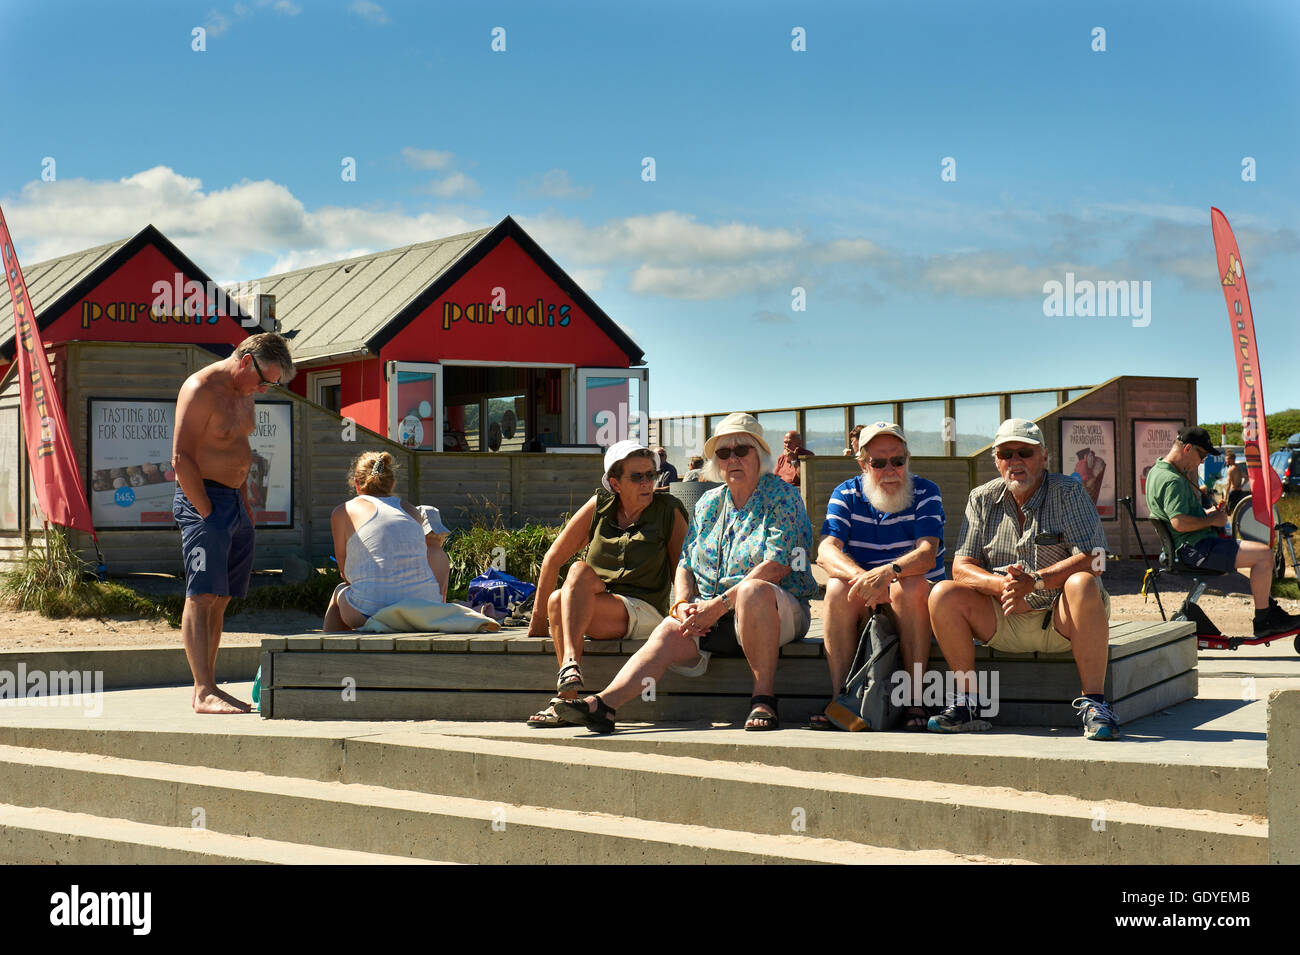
[[639, 477], [258, 369], [879, 464], [1006, 454], [739, 451]]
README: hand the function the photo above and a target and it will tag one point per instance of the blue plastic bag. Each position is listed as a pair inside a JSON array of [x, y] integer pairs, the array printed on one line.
[[502, 591]]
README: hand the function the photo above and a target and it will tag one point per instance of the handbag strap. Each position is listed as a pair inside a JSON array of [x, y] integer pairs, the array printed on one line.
[[864, 642]]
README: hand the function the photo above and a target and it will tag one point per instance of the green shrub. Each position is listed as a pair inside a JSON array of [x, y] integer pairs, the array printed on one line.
[[475, 549], [53, 580]]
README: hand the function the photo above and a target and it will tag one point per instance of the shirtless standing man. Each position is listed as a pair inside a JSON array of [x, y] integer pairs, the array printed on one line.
[[211, 456]]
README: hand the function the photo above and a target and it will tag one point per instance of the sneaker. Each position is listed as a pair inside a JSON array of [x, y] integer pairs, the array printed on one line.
[[1098, 719], [958, 718], [1275, 621]]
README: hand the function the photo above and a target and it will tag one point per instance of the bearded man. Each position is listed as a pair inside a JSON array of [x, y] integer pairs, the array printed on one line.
[[882, 543]]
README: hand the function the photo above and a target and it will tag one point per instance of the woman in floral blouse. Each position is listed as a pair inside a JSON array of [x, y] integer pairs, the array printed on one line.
[[743, 583]]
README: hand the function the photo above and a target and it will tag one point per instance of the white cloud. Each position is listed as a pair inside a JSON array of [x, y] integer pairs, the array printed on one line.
[[701, 284], [426, 158], [555, 184], [665, 238], [370, 11], [993, 275], [456, 186], [230, 232], [287, 8], [850, 250]]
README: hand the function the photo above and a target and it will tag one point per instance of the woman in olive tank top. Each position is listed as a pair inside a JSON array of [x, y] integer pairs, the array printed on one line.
[[620, 588]]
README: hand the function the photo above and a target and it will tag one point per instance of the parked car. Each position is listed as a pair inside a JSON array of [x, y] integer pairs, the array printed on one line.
[[1286, 462]]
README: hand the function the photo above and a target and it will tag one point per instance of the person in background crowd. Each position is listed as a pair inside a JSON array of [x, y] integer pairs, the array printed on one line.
[[667, 474], [1238, 485], [852, 450], [697, 469], [743, 584], [619, 590], [787, 465]]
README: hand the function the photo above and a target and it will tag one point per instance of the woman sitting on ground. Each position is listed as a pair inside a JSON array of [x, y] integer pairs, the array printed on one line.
[[620, 589], [737, 583], [387, 551]]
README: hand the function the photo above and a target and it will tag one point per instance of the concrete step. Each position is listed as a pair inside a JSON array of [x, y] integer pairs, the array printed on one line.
[[1085, 770], [40, 836], [376, 819], [406, 777]]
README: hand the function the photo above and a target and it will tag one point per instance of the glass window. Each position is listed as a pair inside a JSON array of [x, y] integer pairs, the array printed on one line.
[[870, 414], [1075, 392], [775, 424], [1033, 405], [681, 439], [507, 420], [977, 422], [460, 430], [615, 410], [416, 397], [825, 431], [923, 424]]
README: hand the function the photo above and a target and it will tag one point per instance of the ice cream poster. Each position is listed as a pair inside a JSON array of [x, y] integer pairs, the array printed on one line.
[[1088, 456]]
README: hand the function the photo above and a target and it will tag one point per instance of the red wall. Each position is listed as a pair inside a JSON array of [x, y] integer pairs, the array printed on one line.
[[360, 384], [121, 309], [461, 324]]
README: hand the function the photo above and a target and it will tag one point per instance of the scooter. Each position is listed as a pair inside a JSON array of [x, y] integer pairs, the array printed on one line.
[[1208, 636]]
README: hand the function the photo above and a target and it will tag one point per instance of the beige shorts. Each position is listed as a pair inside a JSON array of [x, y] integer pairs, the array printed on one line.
[[795, 618], [641, 618], [1024, 632]]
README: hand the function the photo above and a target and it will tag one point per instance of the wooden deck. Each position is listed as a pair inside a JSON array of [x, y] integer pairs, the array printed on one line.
[[507, 675]]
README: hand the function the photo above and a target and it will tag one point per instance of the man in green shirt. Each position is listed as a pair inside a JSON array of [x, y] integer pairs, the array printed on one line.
[[1174, 499]]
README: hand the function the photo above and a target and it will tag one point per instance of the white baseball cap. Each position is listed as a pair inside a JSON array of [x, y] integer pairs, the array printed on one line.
[[617, 452], [1018, 429], [876, 430]]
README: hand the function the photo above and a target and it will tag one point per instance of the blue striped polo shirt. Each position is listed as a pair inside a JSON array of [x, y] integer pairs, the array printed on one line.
[[872, 537]]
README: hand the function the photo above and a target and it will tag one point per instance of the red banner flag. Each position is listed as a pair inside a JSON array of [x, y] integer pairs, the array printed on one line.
[[49, 450], [1265, 488]]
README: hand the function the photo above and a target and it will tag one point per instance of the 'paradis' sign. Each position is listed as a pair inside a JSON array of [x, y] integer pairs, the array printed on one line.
[[538, 315]]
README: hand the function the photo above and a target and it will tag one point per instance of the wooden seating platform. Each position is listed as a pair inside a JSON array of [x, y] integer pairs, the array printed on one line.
[[507, 675]]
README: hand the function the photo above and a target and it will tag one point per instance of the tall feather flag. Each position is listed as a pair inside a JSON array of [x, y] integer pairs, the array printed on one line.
[[1265, 488], [49, 450]]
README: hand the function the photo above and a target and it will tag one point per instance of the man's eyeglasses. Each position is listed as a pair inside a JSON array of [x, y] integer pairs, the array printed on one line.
[[879, 464], [1006, 454], [640, 477], [1201, 451], [258, 368], [739, 451]]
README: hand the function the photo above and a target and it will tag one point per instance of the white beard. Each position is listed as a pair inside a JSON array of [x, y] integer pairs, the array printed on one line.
[[886, 503]]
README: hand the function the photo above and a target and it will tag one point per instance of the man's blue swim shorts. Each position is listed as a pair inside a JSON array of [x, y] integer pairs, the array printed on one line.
[[218, 549]]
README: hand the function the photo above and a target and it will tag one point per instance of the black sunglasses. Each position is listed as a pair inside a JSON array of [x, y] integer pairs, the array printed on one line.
[[897, 461], [739, 451], [258, 369], [640, 477], [1023, 453]]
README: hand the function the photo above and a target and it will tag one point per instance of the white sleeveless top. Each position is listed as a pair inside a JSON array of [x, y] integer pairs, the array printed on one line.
[[387, 560]]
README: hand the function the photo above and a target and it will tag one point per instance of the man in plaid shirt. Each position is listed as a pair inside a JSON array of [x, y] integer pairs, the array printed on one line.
[[1026, 578]]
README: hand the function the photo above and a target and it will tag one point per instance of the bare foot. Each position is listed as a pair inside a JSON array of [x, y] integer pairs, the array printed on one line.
[[212, 703], [231, 700]]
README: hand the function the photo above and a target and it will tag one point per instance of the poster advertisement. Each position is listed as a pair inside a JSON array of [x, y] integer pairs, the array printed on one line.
[[9, 469], [131, 479], [1151, 442], [1088, 455]]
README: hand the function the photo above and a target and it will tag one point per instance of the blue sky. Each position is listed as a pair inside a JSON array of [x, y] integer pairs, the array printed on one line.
[[774, 169]]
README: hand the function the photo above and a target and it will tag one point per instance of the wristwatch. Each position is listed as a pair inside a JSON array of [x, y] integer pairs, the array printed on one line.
[[1039, 583]]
